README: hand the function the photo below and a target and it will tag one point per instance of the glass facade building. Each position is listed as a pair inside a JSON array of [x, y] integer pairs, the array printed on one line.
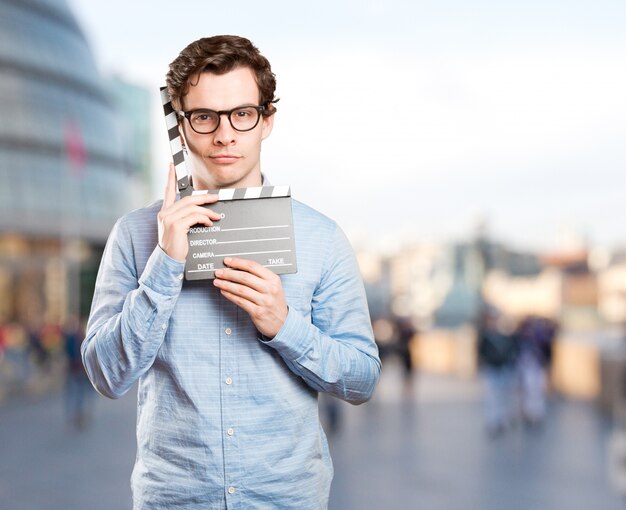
[[61, 159], [68, 166]]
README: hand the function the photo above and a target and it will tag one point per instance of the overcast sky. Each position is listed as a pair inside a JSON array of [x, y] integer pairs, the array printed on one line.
[[414, 120]]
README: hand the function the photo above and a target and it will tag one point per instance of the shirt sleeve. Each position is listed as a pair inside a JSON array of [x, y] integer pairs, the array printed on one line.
[[129, 314], [334, 350]]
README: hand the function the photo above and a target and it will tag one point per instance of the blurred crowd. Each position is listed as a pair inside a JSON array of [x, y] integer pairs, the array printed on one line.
[[28, 351], [514, 358], [37, 357]]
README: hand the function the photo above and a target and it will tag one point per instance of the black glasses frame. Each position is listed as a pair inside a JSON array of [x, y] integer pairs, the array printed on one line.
[[260, 109]]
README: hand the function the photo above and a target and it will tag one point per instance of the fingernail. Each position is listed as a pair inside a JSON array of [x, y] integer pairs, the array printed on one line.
[[219, 273], [228, 260]]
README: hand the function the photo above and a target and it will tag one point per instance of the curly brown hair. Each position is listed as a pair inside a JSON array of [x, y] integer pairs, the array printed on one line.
[[221, 54]]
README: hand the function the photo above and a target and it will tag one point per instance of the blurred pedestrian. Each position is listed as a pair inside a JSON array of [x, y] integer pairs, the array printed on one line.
[[3, 341], [497, 353], [78, 389], [406, 337], [385, 335], [535, 337], [37, 350], [330, 413], [17, 353]]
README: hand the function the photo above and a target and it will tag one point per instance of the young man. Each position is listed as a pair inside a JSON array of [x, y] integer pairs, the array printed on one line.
[[229, 369]]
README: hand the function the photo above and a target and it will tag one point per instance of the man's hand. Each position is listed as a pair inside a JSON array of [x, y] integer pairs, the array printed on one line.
[[255, 289], [176, 218]]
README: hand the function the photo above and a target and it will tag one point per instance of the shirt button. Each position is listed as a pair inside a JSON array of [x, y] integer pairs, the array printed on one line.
[[181, 276], [231, 490], [230, 432], [228, 380], [163, 326], [228, 331]]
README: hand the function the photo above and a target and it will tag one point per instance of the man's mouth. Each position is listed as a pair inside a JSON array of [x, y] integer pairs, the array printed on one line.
[[223, 158]]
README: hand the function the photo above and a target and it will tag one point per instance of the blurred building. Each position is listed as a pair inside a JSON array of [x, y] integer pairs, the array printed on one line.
[[132, 105], [612, 289], [443, 287], [376, 278], [73, 158]]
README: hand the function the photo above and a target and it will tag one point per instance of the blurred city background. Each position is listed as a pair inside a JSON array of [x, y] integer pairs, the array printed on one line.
[[474, 154]]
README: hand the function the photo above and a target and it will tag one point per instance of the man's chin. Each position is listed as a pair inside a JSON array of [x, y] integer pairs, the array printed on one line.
[[217, 181]]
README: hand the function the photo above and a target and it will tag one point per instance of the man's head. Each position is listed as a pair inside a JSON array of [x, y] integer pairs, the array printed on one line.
[[223, 89], [219, 55]]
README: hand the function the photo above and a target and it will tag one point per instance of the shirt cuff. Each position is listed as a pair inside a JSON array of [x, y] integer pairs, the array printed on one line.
[[291, 339], [163, 274]]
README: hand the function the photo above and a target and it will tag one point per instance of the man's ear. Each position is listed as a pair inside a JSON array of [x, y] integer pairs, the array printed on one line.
[[268, 125], [181, 131]]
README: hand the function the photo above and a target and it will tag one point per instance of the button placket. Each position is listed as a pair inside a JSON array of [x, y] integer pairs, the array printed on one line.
[[229, 370]]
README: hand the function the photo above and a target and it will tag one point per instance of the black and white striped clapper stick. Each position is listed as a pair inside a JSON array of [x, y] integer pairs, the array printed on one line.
[[176, 145]]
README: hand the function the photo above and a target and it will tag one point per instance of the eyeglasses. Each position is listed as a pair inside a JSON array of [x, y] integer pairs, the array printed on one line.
[[204, 121]]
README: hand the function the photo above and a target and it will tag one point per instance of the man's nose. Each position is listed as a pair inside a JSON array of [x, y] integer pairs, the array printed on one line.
[[224, 134]]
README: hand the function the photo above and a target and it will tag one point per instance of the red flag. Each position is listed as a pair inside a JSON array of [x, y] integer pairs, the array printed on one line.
[[75, 147]]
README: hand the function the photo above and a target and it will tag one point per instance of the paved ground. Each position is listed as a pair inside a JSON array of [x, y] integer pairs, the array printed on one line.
[[425, 451], [431, 452]]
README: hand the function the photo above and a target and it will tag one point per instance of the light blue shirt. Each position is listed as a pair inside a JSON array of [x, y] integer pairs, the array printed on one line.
[[225, 418]]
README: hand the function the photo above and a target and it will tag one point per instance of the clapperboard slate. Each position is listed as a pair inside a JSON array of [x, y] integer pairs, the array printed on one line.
[[256, 224]]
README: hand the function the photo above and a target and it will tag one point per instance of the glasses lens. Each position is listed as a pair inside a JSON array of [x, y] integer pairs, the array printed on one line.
[[244, 119], [204, 121]]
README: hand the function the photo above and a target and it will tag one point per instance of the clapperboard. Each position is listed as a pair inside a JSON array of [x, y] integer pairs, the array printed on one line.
[[256, 223]]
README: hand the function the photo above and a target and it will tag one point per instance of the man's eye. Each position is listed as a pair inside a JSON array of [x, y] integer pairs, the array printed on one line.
[[203, 117]]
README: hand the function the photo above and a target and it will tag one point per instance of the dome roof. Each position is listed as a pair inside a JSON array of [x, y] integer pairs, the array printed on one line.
[[62, 168]]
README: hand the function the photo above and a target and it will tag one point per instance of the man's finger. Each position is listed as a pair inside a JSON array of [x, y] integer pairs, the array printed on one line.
[[243, 291], [243, 278], [250, 266], [181, 209], [196, 200], [170, 188]]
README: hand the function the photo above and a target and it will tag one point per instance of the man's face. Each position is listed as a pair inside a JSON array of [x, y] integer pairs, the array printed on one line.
[[225, 158]]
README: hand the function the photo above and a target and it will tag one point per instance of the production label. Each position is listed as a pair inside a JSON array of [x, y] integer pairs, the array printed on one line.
[[259, 229]]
